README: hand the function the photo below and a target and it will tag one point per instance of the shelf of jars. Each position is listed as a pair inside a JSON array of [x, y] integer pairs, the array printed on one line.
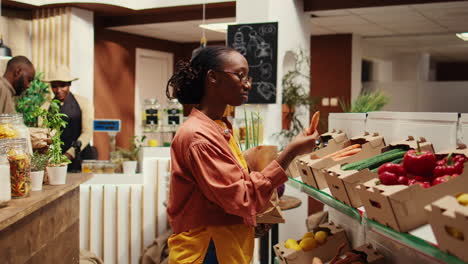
[[420, 239]]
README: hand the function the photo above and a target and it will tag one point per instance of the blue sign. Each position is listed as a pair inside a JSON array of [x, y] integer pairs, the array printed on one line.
[[107, 125]]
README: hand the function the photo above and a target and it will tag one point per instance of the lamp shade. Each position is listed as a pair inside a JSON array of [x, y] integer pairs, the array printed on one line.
[[4, 50]]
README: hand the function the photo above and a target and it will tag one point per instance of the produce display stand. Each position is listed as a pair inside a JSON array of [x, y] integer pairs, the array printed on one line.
[[412, 247], [44, 227]]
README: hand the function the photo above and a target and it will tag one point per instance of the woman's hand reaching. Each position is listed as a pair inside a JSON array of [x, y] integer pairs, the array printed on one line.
[[300, 145]]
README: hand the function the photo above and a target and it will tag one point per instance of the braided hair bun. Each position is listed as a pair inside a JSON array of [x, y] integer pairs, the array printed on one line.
[[188, 82]]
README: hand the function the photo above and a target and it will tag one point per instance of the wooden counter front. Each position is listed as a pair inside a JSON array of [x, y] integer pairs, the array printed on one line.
[[43, 228]]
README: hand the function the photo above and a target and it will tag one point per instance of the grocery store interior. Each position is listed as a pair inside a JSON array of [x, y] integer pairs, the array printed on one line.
[[384, 83]]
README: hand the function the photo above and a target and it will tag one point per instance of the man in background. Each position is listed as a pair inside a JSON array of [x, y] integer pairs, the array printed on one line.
[[18, 76]]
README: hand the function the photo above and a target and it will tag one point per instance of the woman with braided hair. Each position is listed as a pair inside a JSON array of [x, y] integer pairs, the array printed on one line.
[[213, 198]]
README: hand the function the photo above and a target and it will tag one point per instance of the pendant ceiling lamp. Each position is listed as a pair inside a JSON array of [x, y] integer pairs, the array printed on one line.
[[203, 39], [5, 52]]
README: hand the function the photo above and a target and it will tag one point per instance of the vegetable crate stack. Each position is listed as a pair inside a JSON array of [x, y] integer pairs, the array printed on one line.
[[322, 243], [343, 179], [448, 218], [400, 204], [307, 165]]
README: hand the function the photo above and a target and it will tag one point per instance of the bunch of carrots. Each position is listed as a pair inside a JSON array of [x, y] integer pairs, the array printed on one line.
[[344, 153], [340, 154]]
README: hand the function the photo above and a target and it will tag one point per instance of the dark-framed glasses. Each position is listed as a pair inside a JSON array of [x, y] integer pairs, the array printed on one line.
[[245, 79]]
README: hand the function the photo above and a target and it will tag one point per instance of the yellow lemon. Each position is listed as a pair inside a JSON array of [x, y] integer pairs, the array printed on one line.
[[463, 199], [321, 237], [308, 243], [308, 234], [152, 143], [292, 244]]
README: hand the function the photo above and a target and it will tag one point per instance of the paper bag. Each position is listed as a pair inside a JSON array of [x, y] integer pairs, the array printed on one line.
[[257, 159]]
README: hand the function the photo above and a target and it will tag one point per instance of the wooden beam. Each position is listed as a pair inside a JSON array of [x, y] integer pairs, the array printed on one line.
[[168, 14]]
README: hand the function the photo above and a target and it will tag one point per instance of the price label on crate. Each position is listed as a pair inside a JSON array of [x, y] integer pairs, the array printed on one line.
[[107, 125]]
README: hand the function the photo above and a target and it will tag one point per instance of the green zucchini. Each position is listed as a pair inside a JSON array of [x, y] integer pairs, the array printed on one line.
[[376, 161]]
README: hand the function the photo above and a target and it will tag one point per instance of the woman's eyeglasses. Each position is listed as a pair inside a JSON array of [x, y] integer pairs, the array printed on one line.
[[244, 79]]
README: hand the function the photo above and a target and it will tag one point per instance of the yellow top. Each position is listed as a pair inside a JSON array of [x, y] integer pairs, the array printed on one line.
[[233, 243]]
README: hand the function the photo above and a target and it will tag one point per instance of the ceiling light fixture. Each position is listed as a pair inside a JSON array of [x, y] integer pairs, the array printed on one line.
[[463, 36], [218, 27]]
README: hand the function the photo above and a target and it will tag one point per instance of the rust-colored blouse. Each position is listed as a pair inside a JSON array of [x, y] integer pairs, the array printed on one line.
[[208, 185]]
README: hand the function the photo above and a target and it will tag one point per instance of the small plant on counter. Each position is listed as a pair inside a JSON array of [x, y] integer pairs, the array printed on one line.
[[38, 161], [53, 121], [132, 153]]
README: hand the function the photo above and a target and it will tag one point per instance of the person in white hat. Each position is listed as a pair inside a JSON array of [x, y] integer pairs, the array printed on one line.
[[79, 110]]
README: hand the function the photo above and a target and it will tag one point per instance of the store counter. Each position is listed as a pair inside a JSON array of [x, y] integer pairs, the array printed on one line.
[[43, 228]]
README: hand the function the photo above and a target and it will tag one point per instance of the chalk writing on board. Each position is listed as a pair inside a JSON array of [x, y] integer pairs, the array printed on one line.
[[258, 43]]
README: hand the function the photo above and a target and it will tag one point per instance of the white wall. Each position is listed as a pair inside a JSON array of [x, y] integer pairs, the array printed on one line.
[[293, 25], [82, 52], [423, 96], [16, 33]]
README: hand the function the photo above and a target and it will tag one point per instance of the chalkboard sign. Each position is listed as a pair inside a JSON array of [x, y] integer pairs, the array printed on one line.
[[259, 44]]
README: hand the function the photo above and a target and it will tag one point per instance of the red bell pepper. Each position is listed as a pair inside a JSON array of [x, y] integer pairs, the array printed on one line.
[[398, 169], [403, 180], [419, 162], [424, 184], [388, 178], [452, 165], [441, 179], [390, 173]]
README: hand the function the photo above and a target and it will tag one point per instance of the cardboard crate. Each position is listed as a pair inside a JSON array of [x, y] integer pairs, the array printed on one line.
[[324, 252], [343, 183], [336, 140], [401, 207], [448, 213], [312, 167], [372, 256]]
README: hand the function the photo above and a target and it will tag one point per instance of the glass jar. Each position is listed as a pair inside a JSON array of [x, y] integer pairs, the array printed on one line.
[[174, 114], [5, 184], [151, 120], [12, 126], [20, 166], [23, 130], [87, 166], [7, 128]]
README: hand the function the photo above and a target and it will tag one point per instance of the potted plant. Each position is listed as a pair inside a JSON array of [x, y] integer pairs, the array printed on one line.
[[295, 85], [130, 156], [367, 101], [57, 162], [38, 165]]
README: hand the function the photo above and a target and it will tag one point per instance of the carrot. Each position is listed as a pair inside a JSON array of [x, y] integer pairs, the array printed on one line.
[[342, 150], [314, 123], [347, 153]]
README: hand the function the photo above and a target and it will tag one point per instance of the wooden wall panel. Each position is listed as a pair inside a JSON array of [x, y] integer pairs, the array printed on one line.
[[114, 80], [330, 69]]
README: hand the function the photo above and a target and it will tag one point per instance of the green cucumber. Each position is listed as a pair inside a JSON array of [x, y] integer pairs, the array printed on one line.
[[351, 166], [376, 161]]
